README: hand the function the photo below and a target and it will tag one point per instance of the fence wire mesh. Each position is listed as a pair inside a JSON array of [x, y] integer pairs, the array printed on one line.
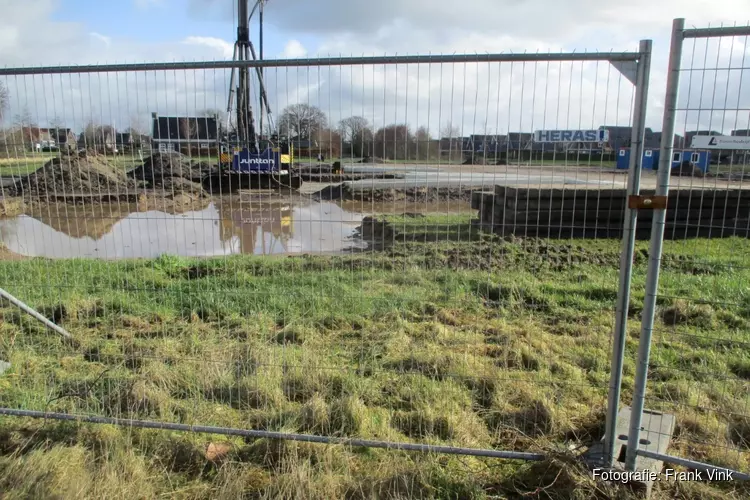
[[453, 283], [697, 368]]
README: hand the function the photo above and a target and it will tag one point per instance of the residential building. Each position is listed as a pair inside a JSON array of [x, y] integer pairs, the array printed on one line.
[[38, 138], [186, 134]]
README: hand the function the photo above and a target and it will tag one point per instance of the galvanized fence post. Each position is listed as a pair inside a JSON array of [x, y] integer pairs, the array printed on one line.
[[628, 249], [657, 239]]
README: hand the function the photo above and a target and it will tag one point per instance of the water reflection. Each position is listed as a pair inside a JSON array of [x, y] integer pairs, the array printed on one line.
[[223, 228]]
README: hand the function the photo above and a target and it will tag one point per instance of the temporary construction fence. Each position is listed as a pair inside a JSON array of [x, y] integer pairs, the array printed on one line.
[[707, 388], [436, 335]]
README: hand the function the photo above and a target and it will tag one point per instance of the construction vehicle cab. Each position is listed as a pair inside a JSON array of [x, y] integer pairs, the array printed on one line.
[[273, 160]]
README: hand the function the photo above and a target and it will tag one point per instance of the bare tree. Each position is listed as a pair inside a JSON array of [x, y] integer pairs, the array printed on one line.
[[24, 119], [329, 142], [4, 100], [301, 121], [393, 141], [356, 131], [137, 125], [425, 149], [99, 137], [188, 128], [449, 130], [57, 123]]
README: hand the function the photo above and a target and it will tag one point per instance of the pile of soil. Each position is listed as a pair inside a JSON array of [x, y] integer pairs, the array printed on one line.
[[323, 168], [687, 169], [333, 192], [10, 207], [416, 194], [160, 167], [346, 177], [372, 159], [75, 173]]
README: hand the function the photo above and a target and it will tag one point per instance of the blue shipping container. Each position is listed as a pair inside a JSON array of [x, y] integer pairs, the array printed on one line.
[[700, 159], [650, 159]]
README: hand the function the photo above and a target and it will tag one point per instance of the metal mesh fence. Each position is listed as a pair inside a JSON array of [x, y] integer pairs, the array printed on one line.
[[403, 297], [696, 369]]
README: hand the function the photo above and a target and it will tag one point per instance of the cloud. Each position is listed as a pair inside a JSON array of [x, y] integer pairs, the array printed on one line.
[[225, 49], [293, 50], [547, 20], [104, 39], [476, 97]]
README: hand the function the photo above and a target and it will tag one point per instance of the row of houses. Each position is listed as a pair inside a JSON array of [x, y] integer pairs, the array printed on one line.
[[59, 138]]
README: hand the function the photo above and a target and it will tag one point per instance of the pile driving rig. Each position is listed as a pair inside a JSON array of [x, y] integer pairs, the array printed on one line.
[[245, 158]]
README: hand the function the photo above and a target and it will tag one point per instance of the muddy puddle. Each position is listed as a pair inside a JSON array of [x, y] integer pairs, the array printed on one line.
[[236, 226]]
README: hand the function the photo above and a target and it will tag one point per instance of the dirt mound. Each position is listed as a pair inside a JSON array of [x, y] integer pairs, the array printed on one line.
[[323, 168], [177, 185], [413, 194], [159, 167], [687, 169], [372, 159], [334, 192], [76, 173]]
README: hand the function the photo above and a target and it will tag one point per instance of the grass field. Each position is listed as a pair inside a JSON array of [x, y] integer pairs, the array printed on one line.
[[444, 337], [12, 167]]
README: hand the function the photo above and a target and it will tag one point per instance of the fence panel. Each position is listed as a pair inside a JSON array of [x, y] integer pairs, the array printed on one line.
[[455, 284], [695, 328]]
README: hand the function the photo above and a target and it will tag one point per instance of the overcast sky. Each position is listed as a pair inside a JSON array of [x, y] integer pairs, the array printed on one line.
[[476, 98]]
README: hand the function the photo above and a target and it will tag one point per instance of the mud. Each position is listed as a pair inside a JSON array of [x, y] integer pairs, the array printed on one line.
[[10, 207], [327, 177], [372, 160], [76, 173], [410, 194], [6, 254], [159, 168]]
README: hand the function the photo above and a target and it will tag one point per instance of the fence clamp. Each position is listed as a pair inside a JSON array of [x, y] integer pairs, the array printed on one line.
[[647, 202]]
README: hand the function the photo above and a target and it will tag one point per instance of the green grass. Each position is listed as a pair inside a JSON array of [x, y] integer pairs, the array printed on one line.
[[452, 339], [11, 167]]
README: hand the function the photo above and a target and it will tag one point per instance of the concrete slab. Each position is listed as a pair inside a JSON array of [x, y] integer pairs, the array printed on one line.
[[656, 434]]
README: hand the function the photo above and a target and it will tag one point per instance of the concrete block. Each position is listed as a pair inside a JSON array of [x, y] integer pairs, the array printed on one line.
[[656, 434]]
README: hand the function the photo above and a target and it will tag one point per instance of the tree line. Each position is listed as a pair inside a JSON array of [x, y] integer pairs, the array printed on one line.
[[302, 123], [356, 137]]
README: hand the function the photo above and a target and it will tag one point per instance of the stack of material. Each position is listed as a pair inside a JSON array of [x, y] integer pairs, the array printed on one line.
[[589, 213], [161, 168]]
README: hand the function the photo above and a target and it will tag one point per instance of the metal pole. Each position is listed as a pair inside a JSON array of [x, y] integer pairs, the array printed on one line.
[[714, 32], [260, 70], [31, 312], [228, 431], [657, 238], [322, 61], [628, 249], [692, 464]]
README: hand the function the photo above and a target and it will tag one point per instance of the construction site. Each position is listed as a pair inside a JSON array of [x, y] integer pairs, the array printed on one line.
[[254, 301]]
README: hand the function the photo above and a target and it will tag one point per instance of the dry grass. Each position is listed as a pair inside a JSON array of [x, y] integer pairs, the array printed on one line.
[[477, 344]]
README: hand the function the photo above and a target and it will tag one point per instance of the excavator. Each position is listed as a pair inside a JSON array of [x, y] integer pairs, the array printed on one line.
[[247, 160]]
